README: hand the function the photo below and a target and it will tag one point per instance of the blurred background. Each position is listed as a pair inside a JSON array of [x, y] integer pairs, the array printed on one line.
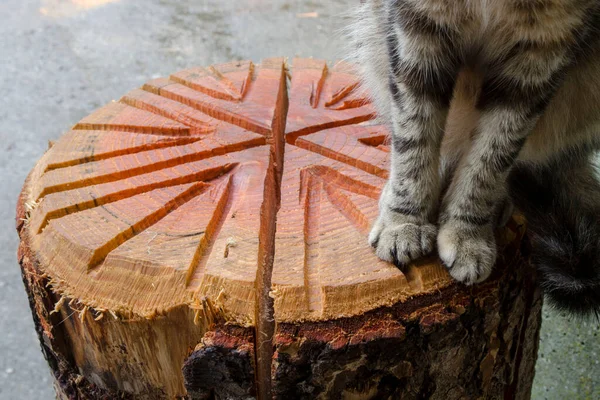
[[61, 59]]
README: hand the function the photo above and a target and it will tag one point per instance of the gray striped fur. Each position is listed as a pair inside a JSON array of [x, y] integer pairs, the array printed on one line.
[[470, 89]]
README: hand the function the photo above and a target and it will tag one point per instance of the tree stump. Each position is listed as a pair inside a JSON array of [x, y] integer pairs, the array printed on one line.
[[205, 236]]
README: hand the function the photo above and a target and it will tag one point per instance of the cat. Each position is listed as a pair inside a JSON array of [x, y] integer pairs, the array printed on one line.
[[491, 103]]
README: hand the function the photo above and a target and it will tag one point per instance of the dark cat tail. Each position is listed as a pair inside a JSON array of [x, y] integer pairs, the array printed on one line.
[[562, 208]]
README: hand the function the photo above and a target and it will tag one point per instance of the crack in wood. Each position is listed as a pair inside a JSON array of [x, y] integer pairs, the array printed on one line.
[[341, 94], [316, 89], [149, 220], [312, 80], [311, 200], [228, 81], [210, 113], [99, 172], [92, 155], [147, 101], [122, 117], [265, 313], [60, 204]]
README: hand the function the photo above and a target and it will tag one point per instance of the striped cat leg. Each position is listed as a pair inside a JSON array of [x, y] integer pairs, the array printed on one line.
[[515, 92], [423, 69]]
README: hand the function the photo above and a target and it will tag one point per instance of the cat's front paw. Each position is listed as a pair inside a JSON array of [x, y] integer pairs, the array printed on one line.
[[468, 252], [400, 239]]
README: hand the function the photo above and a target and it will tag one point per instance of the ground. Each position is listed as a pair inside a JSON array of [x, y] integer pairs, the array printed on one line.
[[61, 59]]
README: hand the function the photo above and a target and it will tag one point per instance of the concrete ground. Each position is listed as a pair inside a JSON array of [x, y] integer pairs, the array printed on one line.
[[61, 59]]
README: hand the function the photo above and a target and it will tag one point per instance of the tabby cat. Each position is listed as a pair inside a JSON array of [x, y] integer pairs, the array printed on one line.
[[491, 103]]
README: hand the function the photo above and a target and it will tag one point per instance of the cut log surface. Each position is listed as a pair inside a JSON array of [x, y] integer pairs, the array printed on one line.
[[240, 195]]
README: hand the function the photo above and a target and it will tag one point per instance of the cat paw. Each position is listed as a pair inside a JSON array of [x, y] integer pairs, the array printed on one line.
[[400, 240], [468, 252]]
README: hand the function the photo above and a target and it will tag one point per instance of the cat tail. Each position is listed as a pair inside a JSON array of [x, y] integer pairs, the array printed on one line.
[[562, 208]]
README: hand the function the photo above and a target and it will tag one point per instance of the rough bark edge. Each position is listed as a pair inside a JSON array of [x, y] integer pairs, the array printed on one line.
[[330, 359], [231, 342], [222, 365], [68, 383]]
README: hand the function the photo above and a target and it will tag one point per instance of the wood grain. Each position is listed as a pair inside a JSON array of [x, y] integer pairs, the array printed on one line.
[[221, 131], [216, 194]]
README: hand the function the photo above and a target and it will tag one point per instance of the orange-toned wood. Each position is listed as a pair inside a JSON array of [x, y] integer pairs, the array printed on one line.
[[211, 196]]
